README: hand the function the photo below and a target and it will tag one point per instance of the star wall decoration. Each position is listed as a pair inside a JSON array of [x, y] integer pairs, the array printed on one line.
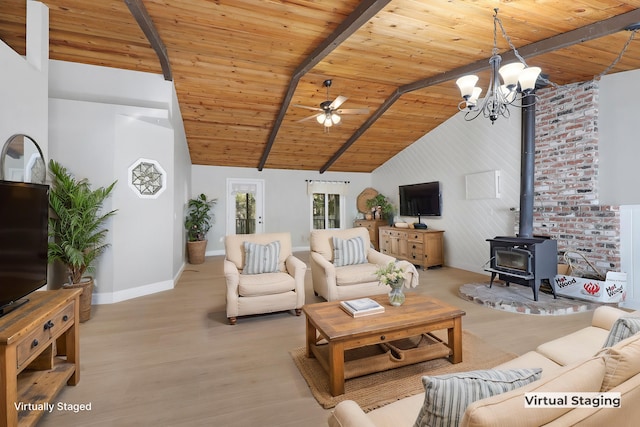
[[147, 178]]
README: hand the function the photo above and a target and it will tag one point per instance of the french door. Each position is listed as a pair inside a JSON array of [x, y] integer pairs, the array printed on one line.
[[245, 206]]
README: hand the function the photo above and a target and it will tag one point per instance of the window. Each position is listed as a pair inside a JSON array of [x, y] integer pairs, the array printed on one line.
[[245, 213], [327, 200], [326, 211], [245, 206]]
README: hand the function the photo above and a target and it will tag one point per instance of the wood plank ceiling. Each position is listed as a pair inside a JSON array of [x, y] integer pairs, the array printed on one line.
[[232, 62]]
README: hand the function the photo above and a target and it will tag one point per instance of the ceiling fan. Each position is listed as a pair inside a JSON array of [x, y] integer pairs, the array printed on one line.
[[330, 111]]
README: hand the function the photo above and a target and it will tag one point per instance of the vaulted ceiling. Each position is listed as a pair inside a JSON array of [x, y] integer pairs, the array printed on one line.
[[240, 67]]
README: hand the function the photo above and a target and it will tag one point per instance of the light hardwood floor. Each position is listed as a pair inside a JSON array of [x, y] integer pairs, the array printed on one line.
[[171, 359]]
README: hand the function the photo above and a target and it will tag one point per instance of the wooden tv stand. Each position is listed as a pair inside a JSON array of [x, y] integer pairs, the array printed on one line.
[[423, 247], [39, 354]]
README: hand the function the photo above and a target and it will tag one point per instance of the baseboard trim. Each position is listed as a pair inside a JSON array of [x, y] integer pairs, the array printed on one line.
[[140, 291]]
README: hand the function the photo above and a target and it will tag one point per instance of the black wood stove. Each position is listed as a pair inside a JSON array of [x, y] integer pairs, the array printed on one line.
[[525, 259]]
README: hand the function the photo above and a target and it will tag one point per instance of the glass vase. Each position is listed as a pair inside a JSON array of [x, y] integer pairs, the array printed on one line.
[[396, 294]]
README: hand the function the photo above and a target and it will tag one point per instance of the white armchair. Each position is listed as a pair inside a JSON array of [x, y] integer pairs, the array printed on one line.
[[349, 281], [279, 289]]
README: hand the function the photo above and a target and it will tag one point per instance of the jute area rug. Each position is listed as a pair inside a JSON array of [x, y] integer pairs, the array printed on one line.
[[519, 299], [376, 390]]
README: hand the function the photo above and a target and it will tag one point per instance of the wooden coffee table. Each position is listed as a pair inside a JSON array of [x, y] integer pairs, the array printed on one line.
[[419, 315]]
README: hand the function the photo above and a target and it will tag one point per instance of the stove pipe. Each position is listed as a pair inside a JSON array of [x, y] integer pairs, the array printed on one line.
[[527, 166]]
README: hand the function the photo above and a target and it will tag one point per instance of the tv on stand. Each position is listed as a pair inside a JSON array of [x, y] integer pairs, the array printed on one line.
[[24, 216]]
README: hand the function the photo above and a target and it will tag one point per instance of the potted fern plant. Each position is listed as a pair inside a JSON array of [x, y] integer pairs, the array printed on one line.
[[198, 223], [76, 229]]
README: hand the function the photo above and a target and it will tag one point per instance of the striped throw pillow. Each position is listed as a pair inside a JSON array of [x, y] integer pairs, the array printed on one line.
[[261, 258], [348, 252], [447, 396], [622, 329]]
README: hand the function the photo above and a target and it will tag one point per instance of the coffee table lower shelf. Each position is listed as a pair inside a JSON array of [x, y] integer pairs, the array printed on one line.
[[384, 356]]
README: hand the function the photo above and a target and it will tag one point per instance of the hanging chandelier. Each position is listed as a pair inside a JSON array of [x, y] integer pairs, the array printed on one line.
[[518, 81]]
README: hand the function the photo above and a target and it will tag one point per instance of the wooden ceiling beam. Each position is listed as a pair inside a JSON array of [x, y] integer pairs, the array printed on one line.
[[570, 38], [143, 19], [366, 10]]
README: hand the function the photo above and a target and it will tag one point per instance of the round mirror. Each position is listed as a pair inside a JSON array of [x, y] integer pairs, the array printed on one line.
[[22, 160]]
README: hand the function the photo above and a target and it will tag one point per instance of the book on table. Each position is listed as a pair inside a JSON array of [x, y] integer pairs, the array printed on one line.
[[361, 307]]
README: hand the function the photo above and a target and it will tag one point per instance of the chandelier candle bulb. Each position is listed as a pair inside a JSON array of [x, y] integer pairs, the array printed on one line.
[[509, 95], [467, 85], [510, 74], [473, 100], [528, 78]]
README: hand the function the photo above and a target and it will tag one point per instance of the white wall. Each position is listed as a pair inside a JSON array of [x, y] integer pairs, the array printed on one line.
[[618, 169], [23, 82], [287, 206], [102, 121], [629, 249], [619, 149], [182, 185], [448, 153]]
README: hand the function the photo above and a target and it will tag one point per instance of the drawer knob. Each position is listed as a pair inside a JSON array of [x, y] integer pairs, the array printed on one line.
[[382, 338], [65, 318], [48, 325], [34, 343]]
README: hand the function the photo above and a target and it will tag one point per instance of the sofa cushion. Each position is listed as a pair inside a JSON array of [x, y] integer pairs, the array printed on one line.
[[574, 347], [503, 409], [605, 316], [447, 396], [399, 413], [253, 285], [622, 329], [622, 362], [348, 251], [531, 359], [259, 259], [356, 274]]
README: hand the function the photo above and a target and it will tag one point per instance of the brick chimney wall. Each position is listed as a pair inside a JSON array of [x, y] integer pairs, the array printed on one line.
[[566, 205]]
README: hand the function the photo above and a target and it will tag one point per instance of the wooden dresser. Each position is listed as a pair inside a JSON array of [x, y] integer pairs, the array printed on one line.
[[372, 225], [39, 354], [424, 248]]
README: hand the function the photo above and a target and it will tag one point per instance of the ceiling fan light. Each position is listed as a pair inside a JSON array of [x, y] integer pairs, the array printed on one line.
[[528, 78], [510, 73], [335, 118], [320, 118], [466, 85], [327, 122]]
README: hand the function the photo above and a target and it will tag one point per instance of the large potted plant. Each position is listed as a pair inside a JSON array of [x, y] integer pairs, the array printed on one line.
[[76, 229], [197, 223]]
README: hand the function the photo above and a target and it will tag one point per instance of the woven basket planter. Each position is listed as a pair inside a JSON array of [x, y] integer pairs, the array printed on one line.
[[85, 297], [196, 251]]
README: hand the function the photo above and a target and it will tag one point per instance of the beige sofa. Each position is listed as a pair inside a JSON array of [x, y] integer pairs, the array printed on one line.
[[573, 363], [349, 281], [266, 292]]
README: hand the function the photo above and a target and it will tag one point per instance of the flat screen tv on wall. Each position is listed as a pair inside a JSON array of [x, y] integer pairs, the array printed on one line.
[[24, 213], [421, 199]]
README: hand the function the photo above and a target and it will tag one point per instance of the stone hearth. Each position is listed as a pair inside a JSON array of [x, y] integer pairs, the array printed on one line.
[[519, 299]]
